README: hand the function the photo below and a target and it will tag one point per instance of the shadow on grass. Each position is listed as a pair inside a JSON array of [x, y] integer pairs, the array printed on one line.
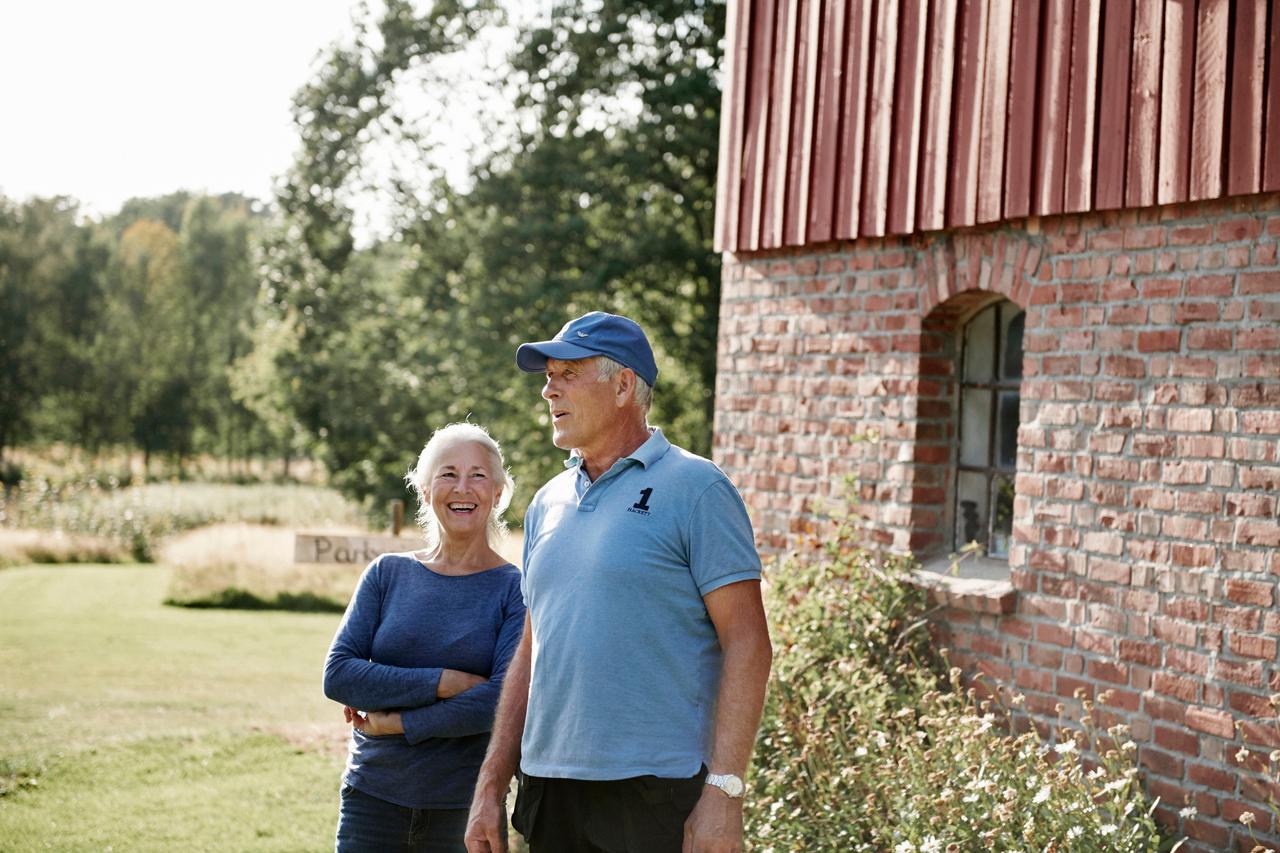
[[234, 598]]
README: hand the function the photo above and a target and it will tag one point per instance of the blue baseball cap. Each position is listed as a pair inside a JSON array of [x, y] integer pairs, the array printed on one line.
[[597, 333]]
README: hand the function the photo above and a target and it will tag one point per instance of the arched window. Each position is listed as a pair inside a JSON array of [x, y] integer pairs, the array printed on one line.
[[990, 377]]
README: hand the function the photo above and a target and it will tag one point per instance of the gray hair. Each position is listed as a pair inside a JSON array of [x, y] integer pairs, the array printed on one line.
[[442, 440], [607, 368]]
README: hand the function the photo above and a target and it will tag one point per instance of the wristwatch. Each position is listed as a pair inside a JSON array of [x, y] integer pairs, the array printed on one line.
[[727, 782]]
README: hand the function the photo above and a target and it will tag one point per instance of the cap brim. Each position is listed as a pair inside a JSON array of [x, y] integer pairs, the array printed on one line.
[[532, 358]]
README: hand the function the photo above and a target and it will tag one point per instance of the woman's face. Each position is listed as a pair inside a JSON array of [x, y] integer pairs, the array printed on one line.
[[463, 489]]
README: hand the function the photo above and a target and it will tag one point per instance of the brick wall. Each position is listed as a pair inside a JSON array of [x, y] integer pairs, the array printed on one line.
[[1147, 535]]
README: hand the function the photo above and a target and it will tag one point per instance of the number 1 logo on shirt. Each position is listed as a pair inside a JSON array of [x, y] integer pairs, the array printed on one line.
[[642, 506]]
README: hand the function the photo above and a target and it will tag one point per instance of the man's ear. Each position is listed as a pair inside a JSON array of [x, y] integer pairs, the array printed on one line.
[[626, 387]]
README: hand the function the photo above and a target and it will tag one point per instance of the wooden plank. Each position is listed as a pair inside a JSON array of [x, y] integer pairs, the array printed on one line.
[[801, 156], [755, 156], [826, 132], [344, 548], [853, 129], [1176, 83], [1082, 106], [995, 112], [732, 128], [782, 114], [1209, 100], [1271, 142], [884, 59], [1053, 109], [962, 193], [907, 118], [936, 132], [1144, 105], [1248, 74], [1019, 144], [1113, 106]]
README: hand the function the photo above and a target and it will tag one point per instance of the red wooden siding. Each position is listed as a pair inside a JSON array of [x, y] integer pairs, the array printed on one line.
[[853, 118]]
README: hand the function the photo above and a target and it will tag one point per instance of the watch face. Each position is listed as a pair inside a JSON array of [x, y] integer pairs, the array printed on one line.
[[733, 786]]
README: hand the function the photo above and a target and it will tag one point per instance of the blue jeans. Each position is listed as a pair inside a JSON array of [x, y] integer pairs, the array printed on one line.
[[369, 825]]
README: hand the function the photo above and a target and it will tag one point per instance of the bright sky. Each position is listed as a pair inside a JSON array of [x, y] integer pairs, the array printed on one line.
[[109, 99]]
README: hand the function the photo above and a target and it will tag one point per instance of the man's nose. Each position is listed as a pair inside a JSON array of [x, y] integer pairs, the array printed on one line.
[[549, 391]]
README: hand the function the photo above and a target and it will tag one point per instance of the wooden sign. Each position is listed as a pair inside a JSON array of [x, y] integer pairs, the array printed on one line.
[[341, 548]]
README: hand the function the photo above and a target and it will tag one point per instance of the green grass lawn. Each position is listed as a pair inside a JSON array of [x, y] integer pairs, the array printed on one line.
[[128, 725]]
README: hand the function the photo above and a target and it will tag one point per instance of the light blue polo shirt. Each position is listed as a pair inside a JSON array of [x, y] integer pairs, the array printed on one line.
[[626, 662]]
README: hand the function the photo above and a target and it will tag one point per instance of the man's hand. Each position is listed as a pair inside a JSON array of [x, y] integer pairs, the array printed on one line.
[[452, 682], [715, 826], [485, 826]]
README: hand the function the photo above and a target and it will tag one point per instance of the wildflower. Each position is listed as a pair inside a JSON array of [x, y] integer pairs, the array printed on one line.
[[1041, 795], [1065, 748], [931, 845], [860, 751], [1108, 828], [1189, 811], [1242, 755], [905, 847], [1248, 818], [1075, 832]]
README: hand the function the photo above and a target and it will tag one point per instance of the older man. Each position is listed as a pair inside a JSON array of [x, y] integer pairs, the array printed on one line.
[[633, 700]]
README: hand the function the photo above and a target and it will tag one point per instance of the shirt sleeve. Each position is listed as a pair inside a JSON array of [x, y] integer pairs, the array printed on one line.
[[350, 677], [530, 533], [471, 712], [720, 541]]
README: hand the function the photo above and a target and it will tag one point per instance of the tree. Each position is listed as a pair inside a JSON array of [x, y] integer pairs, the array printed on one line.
[[598, 194]]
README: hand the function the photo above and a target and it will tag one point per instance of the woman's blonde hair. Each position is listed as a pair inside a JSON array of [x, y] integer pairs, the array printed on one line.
[[442, 440]]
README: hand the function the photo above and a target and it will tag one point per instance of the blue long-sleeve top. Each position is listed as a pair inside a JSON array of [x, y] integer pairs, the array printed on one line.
[[404, 625]]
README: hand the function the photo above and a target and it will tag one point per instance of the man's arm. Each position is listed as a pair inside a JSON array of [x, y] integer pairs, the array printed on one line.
[[737, 611], [485, 830]]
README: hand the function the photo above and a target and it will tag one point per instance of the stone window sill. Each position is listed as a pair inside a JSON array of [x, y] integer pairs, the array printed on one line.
[[981, 584]]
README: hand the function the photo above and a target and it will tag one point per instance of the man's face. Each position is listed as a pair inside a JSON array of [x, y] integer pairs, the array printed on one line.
[[582, 408]]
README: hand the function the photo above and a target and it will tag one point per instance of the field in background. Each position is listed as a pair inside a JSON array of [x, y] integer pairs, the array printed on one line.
[[128, 725]]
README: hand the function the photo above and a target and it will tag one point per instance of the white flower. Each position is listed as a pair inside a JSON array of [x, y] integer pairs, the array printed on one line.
[[1108, 828], [1075, 832], [1242, 756], [905, 847], [1065, 748], [860, 751], [1189, 811], [882, 740], [1247, 818], [1041, 795], [931, 845]]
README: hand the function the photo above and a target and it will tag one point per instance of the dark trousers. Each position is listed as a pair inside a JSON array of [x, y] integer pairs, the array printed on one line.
[[645, 814], [367, 824]]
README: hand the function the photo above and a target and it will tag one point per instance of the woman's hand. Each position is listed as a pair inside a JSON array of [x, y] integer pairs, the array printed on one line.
[[374, 723], [453, 682]]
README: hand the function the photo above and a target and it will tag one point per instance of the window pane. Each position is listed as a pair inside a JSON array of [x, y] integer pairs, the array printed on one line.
[[1007, 434], [975, 426], [971, 509], [1002, 523], [1011, 342], [980, 347]]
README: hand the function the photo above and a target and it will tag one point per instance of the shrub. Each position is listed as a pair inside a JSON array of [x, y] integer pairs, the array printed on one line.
[[870, 744]]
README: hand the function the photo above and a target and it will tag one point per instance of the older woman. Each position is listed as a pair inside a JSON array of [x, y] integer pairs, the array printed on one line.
[[419, 658]]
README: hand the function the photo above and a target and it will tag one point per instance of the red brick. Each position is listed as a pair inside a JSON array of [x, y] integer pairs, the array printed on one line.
[[1255, 283], [1169, 340], [1177, 740], [1251, 592], [1209, 339], [1211, 721]]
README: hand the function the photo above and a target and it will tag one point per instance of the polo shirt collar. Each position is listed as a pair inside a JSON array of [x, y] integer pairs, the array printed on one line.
[[653, 449]]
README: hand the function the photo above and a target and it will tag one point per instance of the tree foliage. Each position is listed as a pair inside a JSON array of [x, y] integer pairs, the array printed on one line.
[[593, 188]]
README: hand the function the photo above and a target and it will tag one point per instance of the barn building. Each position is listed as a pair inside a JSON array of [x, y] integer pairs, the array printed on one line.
[[1031, 247]]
